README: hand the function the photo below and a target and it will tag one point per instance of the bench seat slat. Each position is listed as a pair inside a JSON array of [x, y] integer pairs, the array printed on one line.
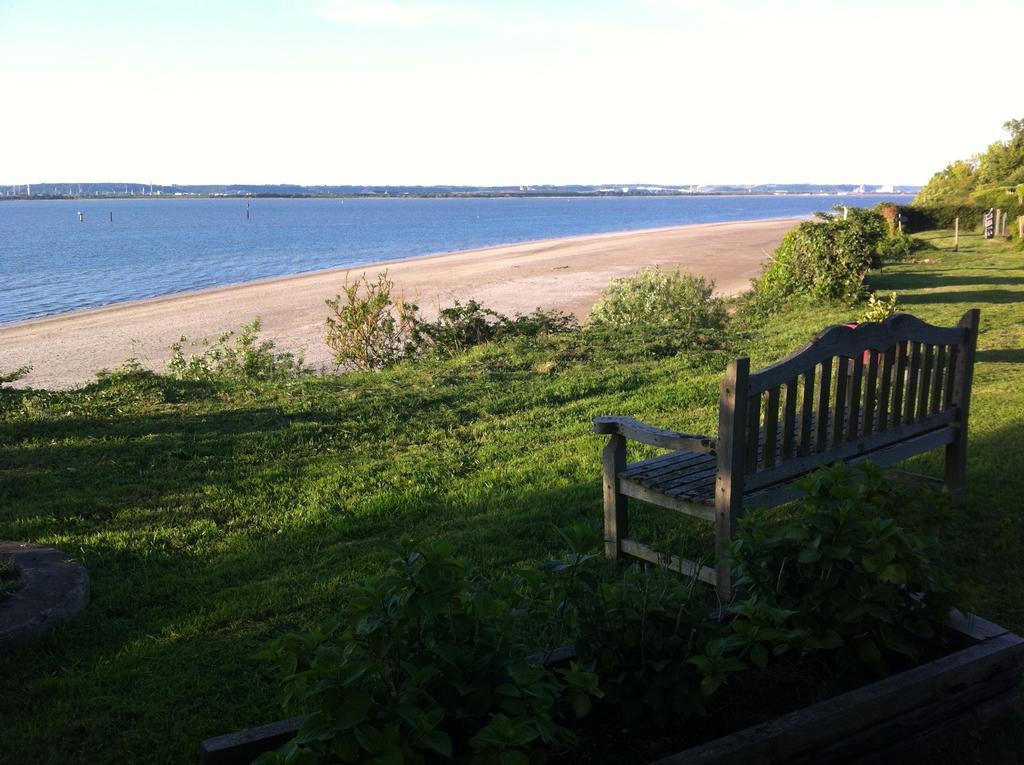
[[691, 486]]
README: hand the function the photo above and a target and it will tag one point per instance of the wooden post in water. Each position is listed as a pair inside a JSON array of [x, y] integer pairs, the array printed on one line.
[[247, 211], [956, 235], [111, 213]]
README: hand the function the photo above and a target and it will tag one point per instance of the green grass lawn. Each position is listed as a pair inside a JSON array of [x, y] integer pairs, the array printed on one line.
[[212, 517]]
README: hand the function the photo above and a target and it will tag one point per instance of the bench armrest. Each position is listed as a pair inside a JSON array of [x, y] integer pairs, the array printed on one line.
[[635, 430]]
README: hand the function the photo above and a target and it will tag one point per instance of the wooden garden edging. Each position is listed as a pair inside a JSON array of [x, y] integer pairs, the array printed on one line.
[[902, 715], [878, 391], [908, 713]]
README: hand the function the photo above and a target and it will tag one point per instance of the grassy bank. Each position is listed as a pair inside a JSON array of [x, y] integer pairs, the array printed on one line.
[[214, 516]]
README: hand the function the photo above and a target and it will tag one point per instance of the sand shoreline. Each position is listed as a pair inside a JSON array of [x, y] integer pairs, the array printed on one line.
[[567, 273]]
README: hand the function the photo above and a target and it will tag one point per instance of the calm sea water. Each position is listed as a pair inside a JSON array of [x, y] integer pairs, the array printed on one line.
[[51, 262]]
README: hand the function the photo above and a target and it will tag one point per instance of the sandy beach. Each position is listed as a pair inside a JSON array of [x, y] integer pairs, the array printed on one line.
[[67, 350]]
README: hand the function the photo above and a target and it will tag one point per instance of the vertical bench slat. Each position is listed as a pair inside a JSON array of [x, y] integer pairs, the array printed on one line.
[[888, 363], [824, 388], [924, 392], [938, 381], [910, 400], [947, 394], [856, 381], [771, 429], [789, 419], [841, 406], [870, 394], [753, 433], [807, 414], [899, 383]]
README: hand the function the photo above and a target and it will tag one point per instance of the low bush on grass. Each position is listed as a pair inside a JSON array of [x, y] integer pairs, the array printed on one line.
[[837, 576], [654, 298], [897, 247], [9, 377], [233, 355], [370, 327], [826, 259], [463, 326]]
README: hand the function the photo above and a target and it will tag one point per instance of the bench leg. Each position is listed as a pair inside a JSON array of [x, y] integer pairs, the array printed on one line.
[[724, 529], [956, 468], [613, 460]]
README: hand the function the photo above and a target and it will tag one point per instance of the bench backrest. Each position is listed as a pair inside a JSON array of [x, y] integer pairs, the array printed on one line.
[[848, 392]]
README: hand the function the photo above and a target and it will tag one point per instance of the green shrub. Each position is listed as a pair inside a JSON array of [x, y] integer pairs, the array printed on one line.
[[238, 356], [463, 326], [644, 631], [371, 329], [838, 576], [928, 217], [367, 327], [427, 660], [647, 637], [897, 247], [827, 259], [7, 396], [656, 298], [879, 310]]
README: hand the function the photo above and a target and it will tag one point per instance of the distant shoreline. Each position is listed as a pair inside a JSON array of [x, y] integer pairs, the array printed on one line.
[[566, 274], [99, 197]]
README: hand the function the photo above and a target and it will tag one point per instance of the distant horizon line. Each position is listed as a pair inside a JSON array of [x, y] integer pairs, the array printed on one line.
[[491, 186]]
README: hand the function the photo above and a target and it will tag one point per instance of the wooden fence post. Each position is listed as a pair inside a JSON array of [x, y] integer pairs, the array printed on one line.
[[1020, 226], [956, 235]]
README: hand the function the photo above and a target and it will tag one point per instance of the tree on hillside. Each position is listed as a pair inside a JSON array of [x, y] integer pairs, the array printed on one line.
[[1000, 168], [1003, 163], [954, 183]]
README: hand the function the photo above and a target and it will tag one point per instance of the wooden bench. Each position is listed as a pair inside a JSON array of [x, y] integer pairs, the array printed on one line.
[[879, 391]]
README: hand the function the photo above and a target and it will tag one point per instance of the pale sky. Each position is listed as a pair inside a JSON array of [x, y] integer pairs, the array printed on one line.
[[500, 92]]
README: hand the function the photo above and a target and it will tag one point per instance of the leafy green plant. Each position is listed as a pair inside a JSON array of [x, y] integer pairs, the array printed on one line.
[[5, 393], [368, 326], [826, 259], [897, 247], [428, 660], [460, 327], [645, 632], [656, 298], [879, 310], [648, 638], [837, 574], [232, 355]]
